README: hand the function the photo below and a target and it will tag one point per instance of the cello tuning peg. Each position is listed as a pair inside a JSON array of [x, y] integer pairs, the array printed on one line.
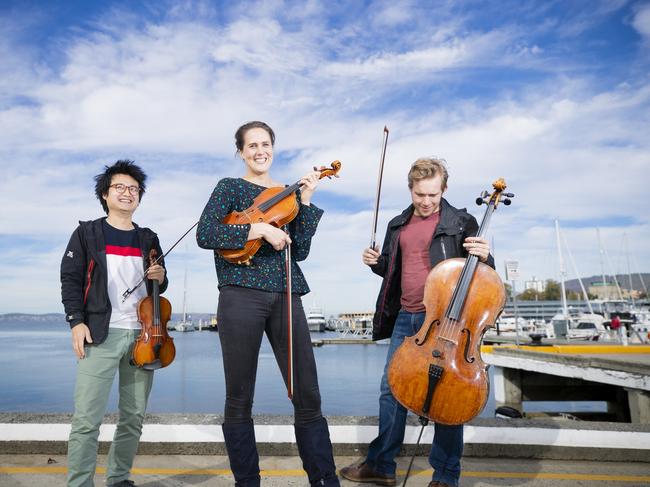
[[507, 201], [480, 201], [509, 195]]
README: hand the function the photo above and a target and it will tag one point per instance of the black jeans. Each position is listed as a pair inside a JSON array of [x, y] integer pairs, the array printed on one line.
[[243, 316]]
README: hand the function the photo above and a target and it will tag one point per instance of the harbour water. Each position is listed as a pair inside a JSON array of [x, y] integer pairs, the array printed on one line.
[[38, 374]]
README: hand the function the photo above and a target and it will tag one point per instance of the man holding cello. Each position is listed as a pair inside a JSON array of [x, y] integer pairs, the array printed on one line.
[[104, 258], [429, 231]]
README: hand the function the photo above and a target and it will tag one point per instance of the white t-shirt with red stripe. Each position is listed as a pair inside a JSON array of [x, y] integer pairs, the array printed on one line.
[[125, 270]]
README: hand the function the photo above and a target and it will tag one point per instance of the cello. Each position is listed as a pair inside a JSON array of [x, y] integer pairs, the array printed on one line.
[[438, 373], [154, 348], [276, 206]]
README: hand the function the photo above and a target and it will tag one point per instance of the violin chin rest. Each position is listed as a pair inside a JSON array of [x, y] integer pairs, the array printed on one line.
[[156, 364]]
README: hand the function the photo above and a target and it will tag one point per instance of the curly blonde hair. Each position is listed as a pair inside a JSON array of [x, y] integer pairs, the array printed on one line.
[[428, 167]]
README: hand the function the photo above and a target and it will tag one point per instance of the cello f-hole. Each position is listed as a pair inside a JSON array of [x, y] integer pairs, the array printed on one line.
[[426, 335], [468, 342]]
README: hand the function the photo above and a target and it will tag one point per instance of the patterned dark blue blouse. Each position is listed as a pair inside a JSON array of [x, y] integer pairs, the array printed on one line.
[[266, 271]]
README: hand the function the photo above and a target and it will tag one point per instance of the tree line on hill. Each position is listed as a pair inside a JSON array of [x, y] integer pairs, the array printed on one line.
[[553, 291]]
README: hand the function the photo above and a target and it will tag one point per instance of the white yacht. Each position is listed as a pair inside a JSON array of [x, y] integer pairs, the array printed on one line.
[[577, 325], [508, 325], [316, 320]]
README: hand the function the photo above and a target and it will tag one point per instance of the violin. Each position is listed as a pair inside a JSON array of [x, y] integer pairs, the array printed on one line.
[[154, 348], [438, 373], [276, 206]]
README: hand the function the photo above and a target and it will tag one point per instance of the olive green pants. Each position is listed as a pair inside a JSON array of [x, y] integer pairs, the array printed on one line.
[[95, 375]]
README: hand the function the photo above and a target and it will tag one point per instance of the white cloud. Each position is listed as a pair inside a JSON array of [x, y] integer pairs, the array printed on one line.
[[454, 52], [170, 94], [641, 21]]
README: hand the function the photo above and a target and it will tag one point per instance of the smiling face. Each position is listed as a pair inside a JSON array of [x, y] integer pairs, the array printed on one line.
[[257, 152], [122, 202], [426, 195]]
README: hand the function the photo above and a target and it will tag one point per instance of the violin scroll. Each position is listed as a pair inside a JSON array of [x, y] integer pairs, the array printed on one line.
[[328, 172]]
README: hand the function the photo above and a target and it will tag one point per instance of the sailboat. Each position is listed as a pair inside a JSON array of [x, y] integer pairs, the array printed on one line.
[[575, 324], [185, 324]]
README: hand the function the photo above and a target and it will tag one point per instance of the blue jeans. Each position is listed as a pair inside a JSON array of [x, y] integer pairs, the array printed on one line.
[[447, 447]]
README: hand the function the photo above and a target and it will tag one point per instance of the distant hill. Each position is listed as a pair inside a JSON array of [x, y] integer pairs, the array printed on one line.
[[623, 281], [31, 318], [54, 317]]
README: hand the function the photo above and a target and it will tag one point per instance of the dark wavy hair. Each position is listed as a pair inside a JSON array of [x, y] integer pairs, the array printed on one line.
[[241, 132], [123, 166]]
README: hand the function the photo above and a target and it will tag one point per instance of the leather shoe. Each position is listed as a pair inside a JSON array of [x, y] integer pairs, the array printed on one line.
[[362, 472], [123, 483], [437, 483]]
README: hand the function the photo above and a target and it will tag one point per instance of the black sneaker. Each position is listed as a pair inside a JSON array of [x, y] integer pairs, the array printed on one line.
[[123, 483]]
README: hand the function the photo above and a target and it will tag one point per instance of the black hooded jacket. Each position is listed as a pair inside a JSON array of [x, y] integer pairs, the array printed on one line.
[[453, 228], [84, 276]]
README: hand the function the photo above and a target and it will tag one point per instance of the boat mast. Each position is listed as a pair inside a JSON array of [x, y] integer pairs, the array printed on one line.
[[184, 292], [565, 310], [603, 251], [629, 270], [638, 273], [575, 271], [602, 264]]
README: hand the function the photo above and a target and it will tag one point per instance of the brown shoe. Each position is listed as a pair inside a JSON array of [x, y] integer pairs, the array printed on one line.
[[437, 483], [361, 472]]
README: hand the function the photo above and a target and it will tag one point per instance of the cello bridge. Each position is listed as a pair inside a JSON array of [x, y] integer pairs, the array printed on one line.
[[448, 340]]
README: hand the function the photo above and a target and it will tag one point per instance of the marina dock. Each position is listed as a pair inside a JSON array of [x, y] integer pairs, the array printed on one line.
[[179, 450], [618, 375]]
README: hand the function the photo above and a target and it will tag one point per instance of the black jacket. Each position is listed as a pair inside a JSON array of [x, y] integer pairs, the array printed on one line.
[[84, 276], [453, 228]]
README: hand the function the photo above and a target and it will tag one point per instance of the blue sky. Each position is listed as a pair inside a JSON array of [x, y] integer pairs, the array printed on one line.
[[552, 96]]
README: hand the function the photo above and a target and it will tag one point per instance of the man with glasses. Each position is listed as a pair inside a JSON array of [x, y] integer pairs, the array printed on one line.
[[104, 258]]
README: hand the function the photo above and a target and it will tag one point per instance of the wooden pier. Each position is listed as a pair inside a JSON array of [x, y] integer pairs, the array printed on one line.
[[618, 375]]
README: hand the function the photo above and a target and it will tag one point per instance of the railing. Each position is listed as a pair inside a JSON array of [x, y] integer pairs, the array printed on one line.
[[355, 332]]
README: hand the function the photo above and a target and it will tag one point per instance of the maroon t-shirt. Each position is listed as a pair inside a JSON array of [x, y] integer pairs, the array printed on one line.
[[414, 242]]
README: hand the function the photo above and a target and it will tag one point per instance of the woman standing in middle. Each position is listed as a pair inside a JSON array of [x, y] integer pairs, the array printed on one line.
[[252, 301]]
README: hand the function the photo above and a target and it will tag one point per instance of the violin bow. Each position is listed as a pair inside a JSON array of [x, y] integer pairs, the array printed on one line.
[[373, 235], [287, 263], [130, 291]]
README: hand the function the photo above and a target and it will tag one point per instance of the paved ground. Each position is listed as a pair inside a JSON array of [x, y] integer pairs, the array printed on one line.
[[203, 471]]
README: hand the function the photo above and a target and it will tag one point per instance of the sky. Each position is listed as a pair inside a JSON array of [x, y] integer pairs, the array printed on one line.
[[553, 96]]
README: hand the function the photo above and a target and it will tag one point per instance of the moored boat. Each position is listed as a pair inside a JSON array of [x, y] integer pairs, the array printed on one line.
[[316, 320]]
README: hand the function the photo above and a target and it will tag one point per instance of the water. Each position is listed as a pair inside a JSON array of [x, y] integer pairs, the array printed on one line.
[[38, 373]]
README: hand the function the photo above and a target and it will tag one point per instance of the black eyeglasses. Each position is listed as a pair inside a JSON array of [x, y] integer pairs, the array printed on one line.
[[121, 188]]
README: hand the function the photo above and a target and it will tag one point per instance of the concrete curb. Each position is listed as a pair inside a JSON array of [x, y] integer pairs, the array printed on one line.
[[200, 434]]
